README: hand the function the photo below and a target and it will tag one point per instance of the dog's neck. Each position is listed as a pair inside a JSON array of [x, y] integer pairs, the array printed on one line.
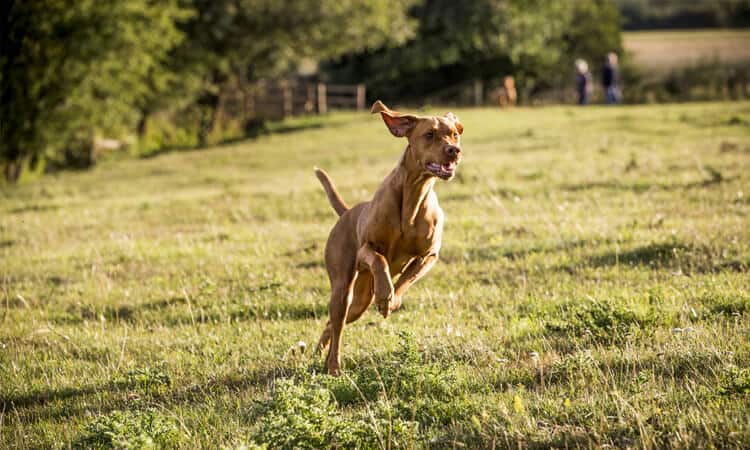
[[415, 186]]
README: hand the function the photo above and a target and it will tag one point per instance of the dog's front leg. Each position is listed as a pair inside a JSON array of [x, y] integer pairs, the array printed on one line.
[[376, 263], [416, 269]]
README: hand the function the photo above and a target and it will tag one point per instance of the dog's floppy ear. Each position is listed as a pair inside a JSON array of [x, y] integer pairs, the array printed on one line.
[[454, 118], [399, 124]]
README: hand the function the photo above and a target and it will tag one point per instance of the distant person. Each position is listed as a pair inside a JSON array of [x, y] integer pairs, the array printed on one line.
[[508, 95], [583, 82], [611, 79]]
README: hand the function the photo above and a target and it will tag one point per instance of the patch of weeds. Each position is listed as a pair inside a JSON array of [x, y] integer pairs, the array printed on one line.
[[714, 174], [599, 320], [75, 314], [644, 377], [129, 430], [685, 362], [147, 379], [381, 405], [632, 163], [562, 412], [735, 120], [427, 393], [304, 414], [730, 306], [507, 377], [726, 146], [580, 365], [735, 381]]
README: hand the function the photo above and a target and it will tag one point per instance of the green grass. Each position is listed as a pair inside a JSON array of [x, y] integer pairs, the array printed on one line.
[[665, 50], [593, 290]]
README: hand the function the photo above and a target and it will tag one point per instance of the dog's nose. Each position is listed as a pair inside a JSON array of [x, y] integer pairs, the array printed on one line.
[[452, 151]]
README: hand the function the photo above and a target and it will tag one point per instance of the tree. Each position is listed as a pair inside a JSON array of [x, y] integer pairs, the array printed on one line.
[[593, 31], [456, 42], [251, 39], [71, 68]]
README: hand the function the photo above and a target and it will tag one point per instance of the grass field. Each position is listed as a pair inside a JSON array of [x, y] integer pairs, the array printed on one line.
[[592, 291], [666, 50]]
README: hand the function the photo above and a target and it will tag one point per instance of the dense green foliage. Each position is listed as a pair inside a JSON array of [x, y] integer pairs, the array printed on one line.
[[592, 291], [73, 70], [77, 77], [663, 14], [458, 42], [231, 41]]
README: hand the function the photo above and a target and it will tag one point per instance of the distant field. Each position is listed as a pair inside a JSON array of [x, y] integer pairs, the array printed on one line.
[[664, 50], [593, 291]]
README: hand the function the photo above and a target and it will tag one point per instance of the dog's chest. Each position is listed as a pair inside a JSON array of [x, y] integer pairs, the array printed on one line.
[[420, 238]]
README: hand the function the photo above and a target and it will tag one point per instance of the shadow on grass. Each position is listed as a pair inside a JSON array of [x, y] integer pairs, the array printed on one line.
[[674, 255], [656, 254], [65, 402], [171, 314], [686, 257], [33, 208], [311, 264], [644, 186], [518, 252], [76, 401]]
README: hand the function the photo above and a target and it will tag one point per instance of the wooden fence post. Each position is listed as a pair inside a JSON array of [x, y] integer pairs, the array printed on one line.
[[360, 97], [310, 100], [288, 105], [322, 101], [478, 93]]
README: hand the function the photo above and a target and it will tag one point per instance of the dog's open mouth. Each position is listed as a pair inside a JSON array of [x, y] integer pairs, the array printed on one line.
[[443, 171]]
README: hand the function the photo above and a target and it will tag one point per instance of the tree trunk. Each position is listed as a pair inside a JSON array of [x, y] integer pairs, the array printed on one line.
[[141, 126], [208, 104], [12, 171]]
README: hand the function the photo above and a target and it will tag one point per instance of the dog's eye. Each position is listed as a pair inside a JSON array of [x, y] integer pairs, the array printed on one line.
[[429, 135]]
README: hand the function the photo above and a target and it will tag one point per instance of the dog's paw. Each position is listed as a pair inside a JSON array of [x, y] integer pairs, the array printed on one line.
[[384, 310], [334, 370], [385, 306], [395, 303]]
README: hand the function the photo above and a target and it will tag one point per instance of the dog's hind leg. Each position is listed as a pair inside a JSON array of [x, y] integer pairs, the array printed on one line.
[[341, 296], [361, 300]]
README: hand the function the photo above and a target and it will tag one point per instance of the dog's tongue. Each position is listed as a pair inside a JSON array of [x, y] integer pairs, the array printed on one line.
[[449, 167]]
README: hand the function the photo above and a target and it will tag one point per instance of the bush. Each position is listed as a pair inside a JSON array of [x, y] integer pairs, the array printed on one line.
[[709, 79]]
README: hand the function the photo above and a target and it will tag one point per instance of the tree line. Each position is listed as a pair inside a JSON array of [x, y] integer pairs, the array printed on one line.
[[72, 70], [674, 14]]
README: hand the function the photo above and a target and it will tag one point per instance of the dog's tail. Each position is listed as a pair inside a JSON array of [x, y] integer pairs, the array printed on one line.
[[333, 196]]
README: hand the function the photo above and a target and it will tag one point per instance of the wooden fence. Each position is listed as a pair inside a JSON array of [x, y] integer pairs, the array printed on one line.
[[275, 100]]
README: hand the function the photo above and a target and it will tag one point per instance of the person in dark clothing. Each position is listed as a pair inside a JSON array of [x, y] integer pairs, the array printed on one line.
[[583, 82], [611, 79]]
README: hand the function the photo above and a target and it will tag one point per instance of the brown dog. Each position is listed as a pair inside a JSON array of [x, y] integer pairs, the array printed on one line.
[[398, 232]]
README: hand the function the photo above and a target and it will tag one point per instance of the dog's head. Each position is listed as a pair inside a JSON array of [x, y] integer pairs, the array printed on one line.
[[434, 141]]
